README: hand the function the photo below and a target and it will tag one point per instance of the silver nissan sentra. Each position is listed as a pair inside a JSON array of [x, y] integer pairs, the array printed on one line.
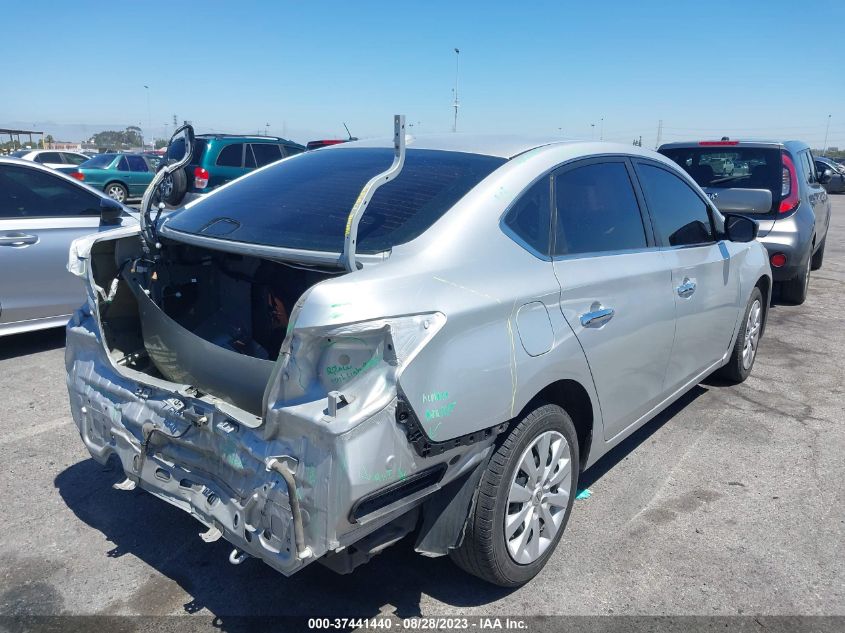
[[426, 337]]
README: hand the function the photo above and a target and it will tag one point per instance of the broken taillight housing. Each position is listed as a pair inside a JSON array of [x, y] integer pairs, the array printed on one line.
[[358, 359]]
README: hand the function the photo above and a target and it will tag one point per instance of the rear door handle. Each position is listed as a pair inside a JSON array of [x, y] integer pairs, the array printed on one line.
[[597, 318], [17, 239], [687, 288]]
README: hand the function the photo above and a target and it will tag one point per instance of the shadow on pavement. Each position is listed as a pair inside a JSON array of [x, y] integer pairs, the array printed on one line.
[[630, 443], [167, 539], [16, 345]]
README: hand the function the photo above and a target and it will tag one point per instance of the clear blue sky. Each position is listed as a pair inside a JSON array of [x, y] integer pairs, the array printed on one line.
[[756, 68]]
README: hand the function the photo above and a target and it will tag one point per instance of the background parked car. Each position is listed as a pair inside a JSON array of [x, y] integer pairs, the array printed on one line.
[[781, 189], [121, 176], [220, 158], [836, 184], [41, 213], [65, 162]]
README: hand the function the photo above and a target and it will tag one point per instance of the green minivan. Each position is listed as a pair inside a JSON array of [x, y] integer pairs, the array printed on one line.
[[221, 158]]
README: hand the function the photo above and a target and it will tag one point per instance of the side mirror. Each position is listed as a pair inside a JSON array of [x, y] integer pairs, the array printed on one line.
[[825, 176], [738, 228], [110, 211]]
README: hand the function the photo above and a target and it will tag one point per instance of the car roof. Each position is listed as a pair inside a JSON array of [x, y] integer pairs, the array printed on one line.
[[246, 137], [501, 145]]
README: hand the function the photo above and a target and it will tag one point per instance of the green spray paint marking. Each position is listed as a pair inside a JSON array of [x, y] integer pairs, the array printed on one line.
[[441, 412], [339, 374], [388, 474]]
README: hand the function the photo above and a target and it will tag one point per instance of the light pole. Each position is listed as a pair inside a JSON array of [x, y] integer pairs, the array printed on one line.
[[455, 104], [601, 130], [266, 128], [826, 130], [149, 112], [592, 131]]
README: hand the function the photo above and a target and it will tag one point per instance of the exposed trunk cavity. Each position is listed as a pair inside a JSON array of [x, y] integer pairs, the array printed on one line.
[[206, 318]]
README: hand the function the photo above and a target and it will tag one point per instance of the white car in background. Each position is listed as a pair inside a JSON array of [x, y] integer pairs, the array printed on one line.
[[62, 161]]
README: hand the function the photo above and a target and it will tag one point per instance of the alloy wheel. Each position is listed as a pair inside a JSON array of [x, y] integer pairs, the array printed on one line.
[[116, 193], [538, 497], [752, 334]]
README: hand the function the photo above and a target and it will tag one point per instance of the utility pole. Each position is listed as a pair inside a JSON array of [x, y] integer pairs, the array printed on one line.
[[149, 117], [455, 104], [659, 133], [592, 131], [175, 122], [266, 129], [601, 130], [826, 130]]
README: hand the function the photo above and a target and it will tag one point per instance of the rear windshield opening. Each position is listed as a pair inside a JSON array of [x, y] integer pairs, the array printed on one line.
[[735, 167], [304, 203]]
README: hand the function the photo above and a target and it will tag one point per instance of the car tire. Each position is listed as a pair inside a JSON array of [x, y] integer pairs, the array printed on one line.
[[794, 290], [486, 550], [818, 256], [180, 187], [116, 191], [744, 351]]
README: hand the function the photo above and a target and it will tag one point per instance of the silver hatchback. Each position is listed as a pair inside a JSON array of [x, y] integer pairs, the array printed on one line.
[[491, 318]]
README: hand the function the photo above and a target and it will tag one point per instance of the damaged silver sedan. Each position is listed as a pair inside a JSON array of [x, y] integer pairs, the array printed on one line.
[[370, 341]]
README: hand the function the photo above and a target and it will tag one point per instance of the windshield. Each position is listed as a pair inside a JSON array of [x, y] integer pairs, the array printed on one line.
[[304, 202], [732, 167], [98, 162]]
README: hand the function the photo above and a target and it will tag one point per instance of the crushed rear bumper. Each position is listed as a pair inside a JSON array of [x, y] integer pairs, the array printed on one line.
[[190, 451]]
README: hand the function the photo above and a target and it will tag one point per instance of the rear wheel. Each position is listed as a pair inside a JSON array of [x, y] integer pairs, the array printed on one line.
[[794, 291], [818, 256], [745, 349], [117, 191], [524, 500]]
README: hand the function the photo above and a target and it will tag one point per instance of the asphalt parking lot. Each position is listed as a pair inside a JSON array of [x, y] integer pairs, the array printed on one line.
[[731, 502]]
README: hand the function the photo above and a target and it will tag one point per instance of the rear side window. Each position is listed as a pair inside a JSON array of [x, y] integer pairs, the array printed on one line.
[[809, 168], [266, 153], [529, 219], [231, 156], [98, 162], [123, 164], [680, 215], [290, 150], [30, 193], [136, 163], [305, 202], [597, 210]]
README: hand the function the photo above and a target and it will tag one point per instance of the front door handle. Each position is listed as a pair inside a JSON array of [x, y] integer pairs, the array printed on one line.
[[597, 318], [687, 288], [17, 239]]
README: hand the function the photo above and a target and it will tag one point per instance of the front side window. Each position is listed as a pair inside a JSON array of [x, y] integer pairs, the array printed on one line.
[[680, 215], [31, 193], [597, 210], [74, 159], [136, 163], [529, 219], [231, 156], [305, 202]]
